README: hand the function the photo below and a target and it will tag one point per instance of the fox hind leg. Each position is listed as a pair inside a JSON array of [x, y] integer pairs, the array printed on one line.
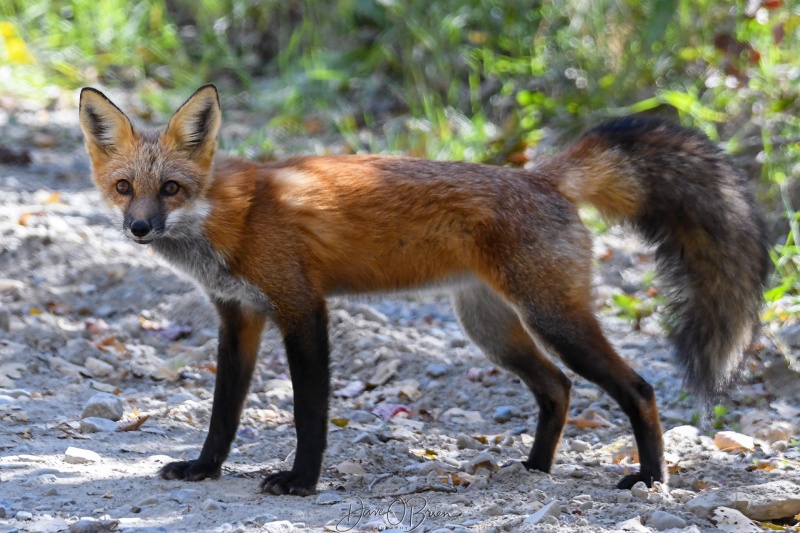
[[576, 337], [495, 327]]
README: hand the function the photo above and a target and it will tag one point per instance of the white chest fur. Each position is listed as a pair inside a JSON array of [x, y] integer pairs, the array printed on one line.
[[195, 256]]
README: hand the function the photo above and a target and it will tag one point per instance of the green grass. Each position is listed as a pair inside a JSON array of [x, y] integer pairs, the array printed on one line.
[[481, 80]]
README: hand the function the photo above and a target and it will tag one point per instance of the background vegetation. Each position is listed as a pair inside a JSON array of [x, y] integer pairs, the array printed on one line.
[[483, 80]]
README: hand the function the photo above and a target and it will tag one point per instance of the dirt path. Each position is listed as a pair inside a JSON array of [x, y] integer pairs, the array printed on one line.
[[82, 311]]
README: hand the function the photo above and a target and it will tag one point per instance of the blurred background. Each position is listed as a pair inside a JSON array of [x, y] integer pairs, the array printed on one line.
[[490, 81]]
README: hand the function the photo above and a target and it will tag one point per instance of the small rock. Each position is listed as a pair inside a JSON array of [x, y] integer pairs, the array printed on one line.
[[640, 490], [633, 524], [729, 441], [328, 498], [278, 526], [150, 500], [733, 521], [504, 413], [5, 508], [435, 370], [211, 505], [5, 321], [366, 438], [93, 526], [104, 405], [661, 520], [482, 460], [181, 397], [383, 373], [371, 314], [458, 342], [260, 520], [465, 442], [350, 467], [16, 393], [95, 424], [623, 496], [682, 495], [24, 515], [580, 446], [97, 368], [552, 509], [779, 446], [80, 456], [763, 426]]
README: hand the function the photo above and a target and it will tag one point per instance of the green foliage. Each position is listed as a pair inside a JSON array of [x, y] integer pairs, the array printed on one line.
[[482, 80], [720, 413]]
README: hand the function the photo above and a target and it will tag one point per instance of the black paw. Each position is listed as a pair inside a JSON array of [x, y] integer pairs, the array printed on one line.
[[289, 482], [190, 470], [539, 466], [630, 480]]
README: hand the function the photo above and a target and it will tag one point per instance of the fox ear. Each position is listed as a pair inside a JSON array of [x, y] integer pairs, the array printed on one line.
[[193, 128], [105, 127]]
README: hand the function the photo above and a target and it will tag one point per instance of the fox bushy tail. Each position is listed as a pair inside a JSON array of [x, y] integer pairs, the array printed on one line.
[[699, 211]]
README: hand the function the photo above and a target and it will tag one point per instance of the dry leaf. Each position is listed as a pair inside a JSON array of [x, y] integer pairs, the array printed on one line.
[[132, 425]]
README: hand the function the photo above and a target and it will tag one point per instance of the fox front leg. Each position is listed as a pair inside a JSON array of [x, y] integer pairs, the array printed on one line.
[[239, 337]]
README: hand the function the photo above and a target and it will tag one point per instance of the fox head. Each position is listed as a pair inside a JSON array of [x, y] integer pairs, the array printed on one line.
[[155, 179]]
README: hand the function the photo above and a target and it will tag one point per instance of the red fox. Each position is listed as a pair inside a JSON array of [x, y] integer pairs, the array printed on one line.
[[272, 240]]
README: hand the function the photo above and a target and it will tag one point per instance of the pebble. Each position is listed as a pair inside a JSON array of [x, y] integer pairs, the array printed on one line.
[[504, 413], [366, 438], [436, 370], [278, 526], [552, 509], [16, 393], [328, 498], [104, 405], [779, 446], [97, 368], [465, 442], [211, 505], [150, 500], [632, 524], [662, 520], [763, 426], [482, 460], [181, 397], [24, 515], [80, 456], [371, 314], [5, 508], [93, 526], [262, 519], [731, 441], [580, 446], [95, 424], [640, 490]]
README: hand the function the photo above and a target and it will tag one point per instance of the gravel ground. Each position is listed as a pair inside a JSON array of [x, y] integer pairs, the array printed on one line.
[[420, 421]]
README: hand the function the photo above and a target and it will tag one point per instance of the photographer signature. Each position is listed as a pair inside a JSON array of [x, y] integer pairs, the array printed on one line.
[[408, 513]]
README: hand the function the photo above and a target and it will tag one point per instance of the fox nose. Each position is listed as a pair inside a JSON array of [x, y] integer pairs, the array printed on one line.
[[140, 228]]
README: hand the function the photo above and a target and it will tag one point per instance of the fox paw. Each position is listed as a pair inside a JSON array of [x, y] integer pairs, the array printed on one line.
[[630, 480], [190, 470], [289, 482]]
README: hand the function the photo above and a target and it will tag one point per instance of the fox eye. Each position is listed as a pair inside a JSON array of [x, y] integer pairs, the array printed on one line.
[[124, 187], [170, 188]]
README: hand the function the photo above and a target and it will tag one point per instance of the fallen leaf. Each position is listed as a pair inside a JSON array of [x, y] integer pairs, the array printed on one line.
[[132, 425]]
